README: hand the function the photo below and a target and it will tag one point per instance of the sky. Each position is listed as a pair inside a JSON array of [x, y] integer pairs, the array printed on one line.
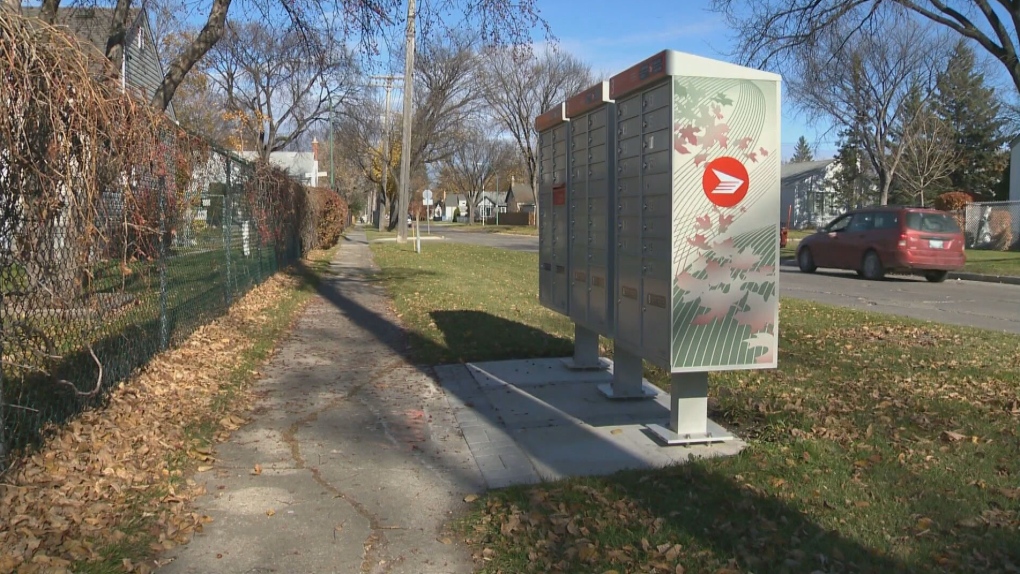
[[611, 37]]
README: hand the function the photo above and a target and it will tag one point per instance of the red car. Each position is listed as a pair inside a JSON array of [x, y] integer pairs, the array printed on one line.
[[876, 240]]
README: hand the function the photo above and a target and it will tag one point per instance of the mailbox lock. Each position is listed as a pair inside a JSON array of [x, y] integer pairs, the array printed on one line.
[[644, 165]]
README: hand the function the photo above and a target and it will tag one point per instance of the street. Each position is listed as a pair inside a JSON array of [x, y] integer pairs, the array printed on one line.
[[992, 306]]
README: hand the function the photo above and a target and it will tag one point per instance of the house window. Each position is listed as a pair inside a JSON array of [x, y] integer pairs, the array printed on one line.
[[140, 39]]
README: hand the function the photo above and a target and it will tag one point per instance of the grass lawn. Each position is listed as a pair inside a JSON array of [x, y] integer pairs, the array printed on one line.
[[878, 445]]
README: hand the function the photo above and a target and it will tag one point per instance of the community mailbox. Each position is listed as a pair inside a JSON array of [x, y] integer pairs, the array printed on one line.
[[697, 218], [553, 249], [590, 202]]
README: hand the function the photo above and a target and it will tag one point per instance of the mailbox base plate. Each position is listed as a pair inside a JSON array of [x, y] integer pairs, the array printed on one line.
[[572, 364], [713, 433], [647, 391]]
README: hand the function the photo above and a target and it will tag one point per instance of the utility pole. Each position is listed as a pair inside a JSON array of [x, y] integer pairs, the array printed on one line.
[[405, 148], [388, 85], [332, 180]]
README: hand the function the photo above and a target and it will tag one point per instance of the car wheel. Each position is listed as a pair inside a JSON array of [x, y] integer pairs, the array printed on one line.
[[936, 276], [871, 267], [806, 261]]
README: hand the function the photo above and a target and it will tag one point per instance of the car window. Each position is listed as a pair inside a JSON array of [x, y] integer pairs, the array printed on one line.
[[932, 222], [838, 225], [862, 222], [887, 220]]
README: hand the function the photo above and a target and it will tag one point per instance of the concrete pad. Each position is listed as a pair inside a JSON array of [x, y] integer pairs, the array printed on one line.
[[536, 418]]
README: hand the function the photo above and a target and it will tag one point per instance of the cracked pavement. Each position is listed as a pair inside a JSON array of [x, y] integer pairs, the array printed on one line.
[[362, 463]]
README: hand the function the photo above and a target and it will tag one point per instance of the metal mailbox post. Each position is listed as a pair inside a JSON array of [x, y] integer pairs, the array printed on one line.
[[553, 249], [697, 228]]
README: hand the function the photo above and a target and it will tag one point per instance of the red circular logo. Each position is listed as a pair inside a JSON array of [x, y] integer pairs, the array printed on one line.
[[725, 181]]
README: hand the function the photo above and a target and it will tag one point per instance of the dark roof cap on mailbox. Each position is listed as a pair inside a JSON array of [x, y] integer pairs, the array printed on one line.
[[638, 75], [588, 100], [552, 117]]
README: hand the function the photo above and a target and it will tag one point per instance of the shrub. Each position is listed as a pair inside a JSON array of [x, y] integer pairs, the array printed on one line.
[[456, 213], [1001, 223], [953, 201]]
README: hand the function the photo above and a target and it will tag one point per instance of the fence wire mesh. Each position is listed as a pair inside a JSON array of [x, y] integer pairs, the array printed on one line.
[[80, 310], [992, 225]]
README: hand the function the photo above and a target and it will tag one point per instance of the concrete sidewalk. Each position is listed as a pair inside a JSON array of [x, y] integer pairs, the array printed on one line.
[[355, 460], [361, 462]]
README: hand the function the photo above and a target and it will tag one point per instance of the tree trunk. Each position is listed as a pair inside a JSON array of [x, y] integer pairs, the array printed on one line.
[[179, 68]]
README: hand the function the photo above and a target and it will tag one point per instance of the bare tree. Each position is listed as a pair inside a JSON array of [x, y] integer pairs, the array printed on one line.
[[862, 84], [498, 22], [447, 98], [520, 86], [929, 153], [474, 162], [769, 29], [281, 81]]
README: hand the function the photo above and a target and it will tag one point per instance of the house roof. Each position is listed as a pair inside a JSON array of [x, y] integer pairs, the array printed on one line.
[[143, 69], [802, 169], [522, 193]]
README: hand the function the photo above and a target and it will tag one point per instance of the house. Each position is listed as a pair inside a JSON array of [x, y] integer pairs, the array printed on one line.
[[489, 202], [140, 70], [303, 166], [520, 198], [807, 197]]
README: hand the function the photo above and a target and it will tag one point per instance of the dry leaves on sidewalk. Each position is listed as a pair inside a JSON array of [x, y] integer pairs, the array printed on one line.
[[73, 496]]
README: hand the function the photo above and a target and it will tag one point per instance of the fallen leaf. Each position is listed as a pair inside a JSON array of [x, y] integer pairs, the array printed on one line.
[[270, 512], [471, 498], [616, 431], [257, 470], [950, 436]]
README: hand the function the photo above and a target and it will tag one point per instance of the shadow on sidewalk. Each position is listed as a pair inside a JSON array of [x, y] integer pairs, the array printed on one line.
[[710, 507]]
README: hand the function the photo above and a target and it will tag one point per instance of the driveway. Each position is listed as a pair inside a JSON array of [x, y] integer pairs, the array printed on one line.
[[969, 303]]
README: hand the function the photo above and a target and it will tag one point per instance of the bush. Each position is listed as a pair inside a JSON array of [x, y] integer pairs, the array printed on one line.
[[1001, 223], [456, 213], [953, 201]]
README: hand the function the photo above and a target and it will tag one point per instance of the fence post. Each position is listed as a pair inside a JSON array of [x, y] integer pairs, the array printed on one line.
[[164, 327], [227, 208]]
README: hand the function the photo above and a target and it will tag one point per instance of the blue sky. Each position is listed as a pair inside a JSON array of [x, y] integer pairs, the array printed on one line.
[[613, 36]]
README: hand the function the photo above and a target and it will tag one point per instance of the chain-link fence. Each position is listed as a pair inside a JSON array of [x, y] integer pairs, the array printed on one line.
[[992, 225], [119, 233], [79, 315]]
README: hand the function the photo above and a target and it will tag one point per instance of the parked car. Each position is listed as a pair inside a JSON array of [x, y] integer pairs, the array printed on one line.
[[876, 240]]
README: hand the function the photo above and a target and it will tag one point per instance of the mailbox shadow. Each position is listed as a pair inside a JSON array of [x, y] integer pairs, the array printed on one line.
[[702, 517], [574, 396]]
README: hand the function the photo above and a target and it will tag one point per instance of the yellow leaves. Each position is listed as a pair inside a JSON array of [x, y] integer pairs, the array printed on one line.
[[470, 498], [270, 512]]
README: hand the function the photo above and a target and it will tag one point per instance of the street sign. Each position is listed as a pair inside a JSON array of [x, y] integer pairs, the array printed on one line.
[[426, 197]]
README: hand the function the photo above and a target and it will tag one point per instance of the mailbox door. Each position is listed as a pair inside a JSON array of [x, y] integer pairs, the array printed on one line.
[[560, 220], [580, 157]]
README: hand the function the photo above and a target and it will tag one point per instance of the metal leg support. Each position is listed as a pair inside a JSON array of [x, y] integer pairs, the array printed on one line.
[[628, 378], [586, 351], [688, 413]]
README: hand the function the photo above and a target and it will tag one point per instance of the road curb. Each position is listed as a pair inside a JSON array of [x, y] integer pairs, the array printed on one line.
[[792, 262]]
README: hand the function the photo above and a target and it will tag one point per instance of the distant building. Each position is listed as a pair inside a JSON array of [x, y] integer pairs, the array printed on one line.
[[520, 198], [807, 197], [301, 165]]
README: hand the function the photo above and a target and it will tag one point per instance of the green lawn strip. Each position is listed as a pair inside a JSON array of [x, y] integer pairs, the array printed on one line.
[[879, 444], [137, 544], [1004, 263]]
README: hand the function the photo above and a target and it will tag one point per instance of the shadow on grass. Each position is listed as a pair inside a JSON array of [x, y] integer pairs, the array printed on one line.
[[481, 336]]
